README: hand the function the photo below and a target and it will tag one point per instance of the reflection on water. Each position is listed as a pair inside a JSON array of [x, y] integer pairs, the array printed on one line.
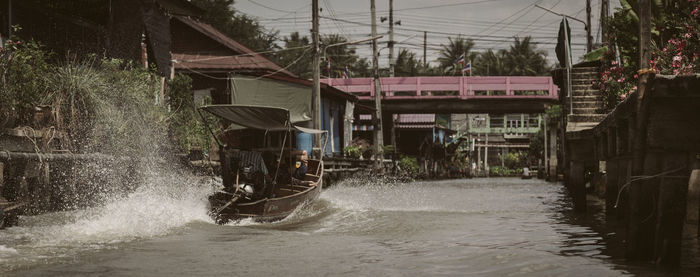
[[475, 227]]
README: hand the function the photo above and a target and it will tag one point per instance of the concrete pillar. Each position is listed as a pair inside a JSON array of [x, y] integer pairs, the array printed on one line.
[[692, 214], [671, 210], [624, 174], [643, 195], [478, 163], [553, 155], [503, 156], [611, 188], [486, 156], [577, 185], [2, 177]]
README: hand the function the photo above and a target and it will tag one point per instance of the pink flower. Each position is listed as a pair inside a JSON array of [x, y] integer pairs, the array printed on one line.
[[695, 12], [677, 61], [623, 96], [621, 80], [614, 63], [636, 76], [688, 35]]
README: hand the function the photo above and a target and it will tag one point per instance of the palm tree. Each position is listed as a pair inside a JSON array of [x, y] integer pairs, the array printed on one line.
[[407, 64], [342, 56], [490, 63], [452, 51], [523, 59]]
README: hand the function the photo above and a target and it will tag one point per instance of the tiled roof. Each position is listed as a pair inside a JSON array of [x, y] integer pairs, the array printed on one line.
[[239, 57]]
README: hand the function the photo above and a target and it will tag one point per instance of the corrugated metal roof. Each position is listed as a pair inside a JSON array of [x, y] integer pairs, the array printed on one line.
[[236, 60], [414, 118]]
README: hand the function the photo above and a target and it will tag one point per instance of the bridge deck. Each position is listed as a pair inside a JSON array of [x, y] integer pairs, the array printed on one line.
[[464, 88]]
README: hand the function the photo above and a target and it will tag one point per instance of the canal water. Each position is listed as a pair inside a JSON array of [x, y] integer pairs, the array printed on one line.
[[360, 227]]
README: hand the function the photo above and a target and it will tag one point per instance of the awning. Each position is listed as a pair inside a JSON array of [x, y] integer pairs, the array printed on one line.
[[255, 91], [256, 117]]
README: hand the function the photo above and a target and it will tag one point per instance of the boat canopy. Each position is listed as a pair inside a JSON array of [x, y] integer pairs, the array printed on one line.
[[256, 117]]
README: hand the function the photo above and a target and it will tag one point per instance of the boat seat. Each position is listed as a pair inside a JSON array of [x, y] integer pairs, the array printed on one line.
[[311, 177]]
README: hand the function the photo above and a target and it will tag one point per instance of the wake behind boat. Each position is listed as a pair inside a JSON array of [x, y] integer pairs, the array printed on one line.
[[250, 191]]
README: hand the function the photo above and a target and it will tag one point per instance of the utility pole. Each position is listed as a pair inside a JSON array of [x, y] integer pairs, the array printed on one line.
[[378, 135], [9, 19], [639, 247], [604, 9], [316, 90], [644, 33], [589, 38], [391, 38], [425, 50]]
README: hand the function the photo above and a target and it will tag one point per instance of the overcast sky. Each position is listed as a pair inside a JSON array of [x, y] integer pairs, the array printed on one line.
[[490, 23]]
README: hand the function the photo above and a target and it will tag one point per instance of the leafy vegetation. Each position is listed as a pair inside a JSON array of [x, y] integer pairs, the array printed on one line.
[[358, 147], [503, 171], [409, 165], [352, 151], [104, 105], [185, 126], [23, 65]]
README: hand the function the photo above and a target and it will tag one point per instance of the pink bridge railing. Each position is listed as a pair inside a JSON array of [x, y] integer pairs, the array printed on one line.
[[490, 87]]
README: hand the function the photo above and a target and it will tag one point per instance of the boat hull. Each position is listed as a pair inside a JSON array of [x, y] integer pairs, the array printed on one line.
[[268, 209]]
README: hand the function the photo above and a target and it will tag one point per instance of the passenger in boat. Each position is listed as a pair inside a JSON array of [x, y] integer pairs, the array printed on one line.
[[301, 169]]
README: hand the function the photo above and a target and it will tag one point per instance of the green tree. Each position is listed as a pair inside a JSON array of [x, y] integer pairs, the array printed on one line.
[[450, 52], [523, 59], [240, 27], [341, 56], [407, 64], [296, 48]]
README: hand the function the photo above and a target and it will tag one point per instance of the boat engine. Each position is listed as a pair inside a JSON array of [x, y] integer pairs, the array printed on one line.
[[245, 181]]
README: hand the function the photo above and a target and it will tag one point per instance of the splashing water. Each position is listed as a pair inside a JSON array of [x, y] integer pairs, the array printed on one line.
[[162, 205]]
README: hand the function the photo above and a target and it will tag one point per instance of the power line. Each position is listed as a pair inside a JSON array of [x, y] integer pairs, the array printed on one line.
[[420, 31], [503, 20], [246, 54]]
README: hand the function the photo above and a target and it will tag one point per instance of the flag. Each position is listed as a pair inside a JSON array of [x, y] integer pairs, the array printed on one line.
[[467, 67], [346, 73], [460, 59]]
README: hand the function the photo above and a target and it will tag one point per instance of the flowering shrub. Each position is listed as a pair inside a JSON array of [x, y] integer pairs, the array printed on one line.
[[680, 53], [675, 48], [614, 81]]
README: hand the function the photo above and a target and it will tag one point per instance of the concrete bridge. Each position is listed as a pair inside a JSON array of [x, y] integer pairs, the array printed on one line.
[[481, 94]]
